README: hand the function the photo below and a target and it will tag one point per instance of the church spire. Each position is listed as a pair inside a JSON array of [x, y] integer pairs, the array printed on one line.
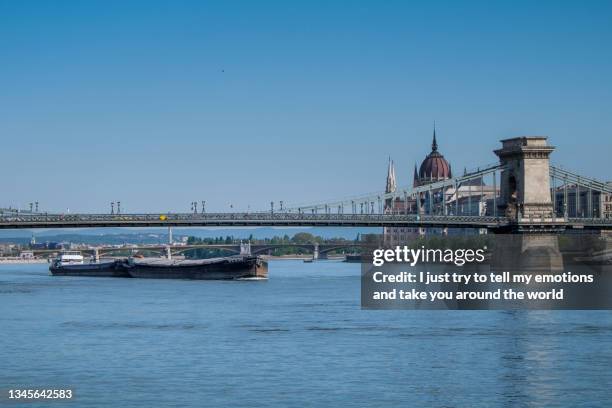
[[391, 183], [434, 144], [415, 180]]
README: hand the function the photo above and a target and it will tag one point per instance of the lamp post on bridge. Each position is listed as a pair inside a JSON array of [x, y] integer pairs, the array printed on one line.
[[112, 207]]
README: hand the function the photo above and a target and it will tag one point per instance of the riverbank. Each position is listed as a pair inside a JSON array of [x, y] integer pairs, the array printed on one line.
[[11, 260]]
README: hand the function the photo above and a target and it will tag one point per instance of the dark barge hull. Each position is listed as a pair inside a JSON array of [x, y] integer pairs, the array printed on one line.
[[112, 269], [233, 267], [354, 258]]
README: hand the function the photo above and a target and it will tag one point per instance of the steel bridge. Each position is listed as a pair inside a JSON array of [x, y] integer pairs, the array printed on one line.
[[472, 200], [289, 219], [286, 219]]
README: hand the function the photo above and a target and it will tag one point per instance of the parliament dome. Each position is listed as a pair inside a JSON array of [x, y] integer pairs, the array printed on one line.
[[435, 167]]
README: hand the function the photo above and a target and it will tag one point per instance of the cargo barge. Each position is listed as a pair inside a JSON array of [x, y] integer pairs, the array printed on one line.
[[224, 268], [230, 267]]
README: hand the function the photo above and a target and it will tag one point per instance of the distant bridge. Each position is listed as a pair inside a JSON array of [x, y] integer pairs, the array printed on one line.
[[318, 250]]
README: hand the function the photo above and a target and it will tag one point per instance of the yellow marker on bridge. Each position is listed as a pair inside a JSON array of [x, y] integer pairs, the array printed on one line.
[[163, 217]]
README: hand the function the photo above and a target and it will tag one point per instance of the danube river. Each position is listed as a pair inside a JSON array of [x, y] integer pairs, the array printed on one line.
[[299, 339]]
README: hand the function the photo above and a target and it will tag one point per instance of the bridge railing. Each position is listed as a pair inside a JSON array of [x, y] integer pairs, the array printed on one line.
[[284, 216], [288, 219]]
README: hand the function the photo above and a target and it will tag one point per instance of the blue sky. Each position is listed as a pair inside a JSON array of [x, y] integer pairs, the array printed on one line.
[[159, 103]]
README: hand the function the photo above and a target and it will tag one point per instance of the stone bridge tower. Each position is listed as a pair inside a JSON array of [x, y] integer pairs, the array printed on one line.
[[525, 183]]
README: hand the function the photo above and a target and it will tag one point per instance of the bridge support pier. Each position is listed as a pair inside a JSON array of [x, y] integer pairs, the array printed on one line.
[[606, 236], [525, 180], [541, 251], [537, 253]]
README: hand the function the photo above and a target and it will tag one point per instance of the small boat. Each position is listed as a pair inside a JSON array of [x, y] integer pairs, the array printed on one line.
[[308, 260]]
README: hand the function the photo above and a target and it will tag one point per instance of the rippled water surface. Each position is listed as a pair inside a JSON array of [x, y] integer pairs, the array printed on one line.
[[299, 339]]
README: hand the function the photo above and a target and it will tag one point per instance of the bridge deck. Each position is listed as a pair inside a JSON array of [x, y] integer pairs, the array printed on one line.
[[18, 221]]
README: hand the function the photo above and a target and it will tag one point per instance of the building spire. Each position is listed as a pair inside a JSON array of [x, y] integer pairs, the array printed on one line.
[[434, 144], [391, 183], [415, 180]]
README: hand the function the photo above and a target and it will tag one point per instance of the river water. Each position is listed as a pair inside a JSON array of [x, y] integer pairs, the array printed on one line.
[[298, 339]]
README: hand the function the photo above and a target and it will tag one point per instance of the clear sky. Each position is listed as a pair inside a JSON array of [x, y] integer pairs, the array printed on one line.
[[160, 103]]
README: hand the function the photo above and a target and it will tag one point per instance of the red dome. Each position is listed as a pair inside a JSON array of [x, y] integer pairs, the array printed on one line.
[[434, 167]]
